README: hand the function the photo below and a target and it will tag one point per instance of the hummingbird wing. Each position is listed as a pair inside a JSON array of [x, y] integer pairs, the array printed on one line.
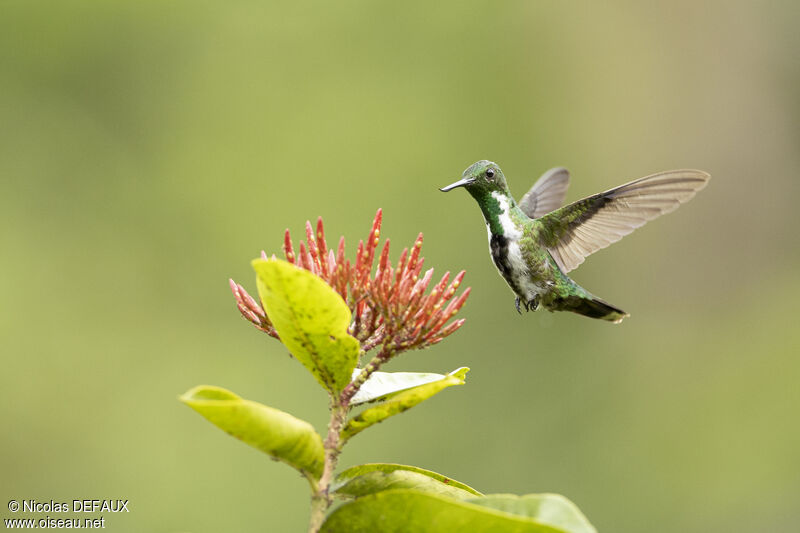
[[547, 194], [579, 229]]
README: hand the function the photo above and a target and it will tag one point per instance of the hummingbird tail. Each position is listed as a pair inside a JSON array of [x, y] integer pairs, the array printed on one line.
[[590, 306]]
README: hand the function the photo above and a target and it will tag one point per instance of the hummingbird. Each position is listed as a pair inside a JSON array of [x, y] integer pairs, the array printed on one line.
[[536, 242]]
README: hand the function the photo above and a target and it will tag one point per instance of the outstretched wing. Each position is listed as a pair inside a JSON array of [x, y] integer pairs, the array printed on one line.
[[581, 228], [547, 194]]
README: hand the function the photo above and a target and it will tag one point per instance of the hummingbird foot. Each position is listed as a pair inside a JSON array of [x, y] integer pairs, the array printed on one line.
[[529, 305]]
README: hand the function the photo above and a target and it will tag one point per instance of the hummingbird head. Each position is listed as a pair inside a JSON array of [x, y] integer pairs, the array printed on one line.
[[481, 179]]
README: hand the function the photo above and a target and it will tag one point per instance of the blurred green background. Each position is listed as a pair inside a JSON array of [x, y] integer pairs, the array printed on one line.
[[149, 150]]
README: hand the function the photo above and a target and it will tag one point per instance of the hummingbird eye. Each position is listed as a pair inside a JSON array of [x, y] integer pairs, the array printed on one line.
[[490, 173]]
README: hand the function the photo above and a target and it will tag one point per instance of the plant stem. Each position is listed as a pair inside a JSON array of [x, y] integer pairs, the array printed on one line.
[[320, 499], [319, 504], [375, 363]]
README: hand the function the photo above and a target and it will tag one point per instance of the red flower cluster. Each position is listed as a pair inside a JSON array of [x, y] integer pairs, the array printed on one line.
[[389, 309]]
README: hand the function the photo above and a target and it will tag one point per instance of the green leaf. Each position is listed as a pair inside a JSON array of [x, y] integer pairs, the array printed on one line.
[[370, 478], [282, 436], [398, 402], [311, 320], [401, 510], [381, 384], [552, 509]]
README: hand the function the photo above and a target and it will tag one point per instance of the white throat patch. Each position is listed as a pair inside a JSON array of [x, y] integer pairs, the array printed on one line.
[[509, 229]]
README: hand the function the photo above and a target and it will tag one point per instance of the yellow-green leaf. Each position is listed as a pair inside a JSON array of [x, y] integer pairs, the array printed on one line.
[[402, 510], [552, 509], [401, 401], [279, 434], [379, 385], [311, 320], [370, 478]]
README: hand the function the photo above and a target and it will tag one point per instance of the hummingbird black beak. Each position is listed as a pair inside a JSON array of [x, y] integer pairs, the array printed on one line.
[[460, 183]]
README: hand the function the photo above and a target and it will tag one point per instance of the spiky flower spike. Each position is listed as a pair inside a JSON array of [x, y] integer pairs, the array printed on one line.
[[390, 309]]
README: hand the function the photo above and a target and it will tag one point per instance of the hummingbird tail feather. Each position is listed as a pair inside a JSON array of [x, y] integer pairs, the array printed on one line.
[[592, 307]]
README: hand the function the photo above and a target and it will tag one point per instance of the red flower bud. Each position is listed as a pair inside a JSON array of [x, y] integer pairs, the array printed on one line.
[[390, 307]]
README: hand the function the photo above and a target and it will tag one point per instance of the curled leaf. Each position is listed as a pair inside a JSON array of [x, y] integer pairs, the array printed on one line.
[[278, 434], [381, 384], [401, 401]]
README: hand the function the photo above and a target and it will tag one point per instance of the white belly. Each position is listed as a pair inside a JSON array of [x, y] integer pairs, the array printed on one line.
[[520, 275], [517, 274]]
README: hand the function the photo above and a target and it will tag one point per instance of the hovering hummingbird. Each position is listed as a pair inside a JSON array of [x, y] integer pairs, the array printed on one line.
[[535, 243]]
